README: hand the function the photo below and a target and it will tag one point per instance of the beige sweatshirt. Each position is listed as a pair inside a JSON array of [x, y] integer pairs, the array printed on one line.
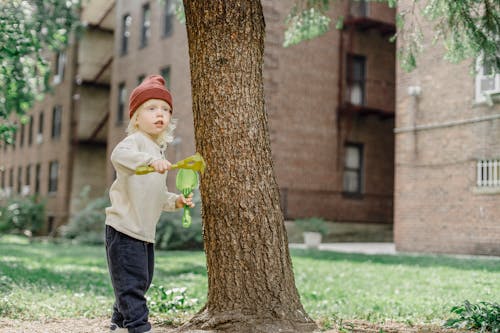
[[137, 200]]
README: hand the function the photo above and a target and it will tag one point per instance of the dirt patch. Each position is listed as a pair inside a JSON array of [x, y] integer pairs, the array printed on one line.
[[80, 325], [101, 325]]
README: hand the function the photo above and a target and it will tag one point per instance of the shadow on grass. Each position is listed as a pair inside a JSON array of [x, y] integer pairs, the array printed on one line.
[[484, 264], [17, 275], [180, 269]]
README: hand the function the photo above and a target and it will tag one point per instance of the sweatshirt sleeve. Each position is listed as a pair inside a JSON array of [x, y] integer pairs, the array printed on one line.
[[127, 155], [170, 199]]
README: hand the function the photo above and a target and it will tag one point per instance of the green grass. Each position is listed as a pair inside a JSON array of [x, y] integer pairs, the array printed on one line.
[[44, 280]]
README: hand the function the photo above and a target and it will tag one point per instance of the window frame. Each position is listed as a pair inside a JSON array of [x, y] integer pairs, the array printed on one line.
[[122, 100], [53, 176], [482, 96], [38, 174], [56, 122], [145, 25], [126, 32], [166, 73], [168, 19], [359, 171], [60, 66], [351, 80], [39, 134], [30, 130]]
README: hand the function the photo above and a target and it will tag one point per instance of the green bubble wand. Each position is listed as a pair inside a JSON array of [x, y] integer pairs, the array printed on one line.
[[186, 180]]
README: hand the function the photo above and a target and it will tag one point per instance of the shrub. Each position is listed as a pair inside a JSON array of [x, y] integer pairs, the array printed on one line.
[[87, 225], [171, 235], [171, 301], [23, 215], [484, 316], [313, 224]]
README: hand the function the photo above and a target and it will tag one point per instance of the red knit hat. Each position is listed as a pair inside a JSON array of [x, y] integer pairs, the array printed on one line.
[[152, 87]]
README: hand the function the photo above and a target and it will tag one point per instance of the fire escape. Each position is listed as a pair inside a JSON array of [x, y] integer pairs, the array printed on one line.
[[355, 86]]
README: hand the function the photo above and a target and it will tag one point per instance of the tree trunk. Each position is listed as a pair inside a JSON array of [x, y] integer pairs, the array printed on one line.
[[251, 286]]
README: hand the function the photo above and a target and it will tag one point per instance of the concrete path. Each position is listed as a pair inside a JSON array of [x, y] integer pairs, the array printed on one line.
[[365, 248]]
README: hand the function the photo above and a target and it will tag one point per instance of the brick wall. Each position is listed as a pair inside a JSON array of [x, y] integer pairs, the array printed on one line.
[[438, 207]]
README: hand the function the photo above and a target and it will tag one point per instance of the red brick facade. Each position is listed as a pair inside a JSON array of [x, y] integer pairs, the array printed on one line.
[[440, 136], [307, 99]]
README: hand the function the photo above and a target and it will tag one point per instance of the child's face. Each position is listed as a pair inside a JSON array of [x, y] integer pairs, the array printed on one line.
[[153, 117]]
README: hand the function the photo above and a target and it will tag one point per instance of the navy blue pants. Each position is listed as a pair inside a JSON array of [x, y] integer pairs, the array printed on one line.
[[131, 266]]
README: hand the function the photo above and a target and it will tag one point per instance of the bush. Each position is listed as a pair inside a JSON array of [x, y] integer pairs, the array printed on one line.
[[22, 215], [171, 235], [313, 224], [171, 301], [483, 316], [87, 225]]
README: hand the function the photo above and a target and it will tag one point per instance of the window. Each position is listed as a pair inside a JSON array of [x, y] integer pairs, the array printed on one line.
[[140, 78], [8, 190], [488, 173], [59, 70], [27, 183], [146, 25], [53, 171], [353, 168], [21, 135], [19, 179], [30, 131], [356, 79], [38, 171], [122, 99], [39, 136], [126, 22], [50, 224], [11, 178], [487, 82], [359, 8], [168, 18], [165, 72], [56, 121]]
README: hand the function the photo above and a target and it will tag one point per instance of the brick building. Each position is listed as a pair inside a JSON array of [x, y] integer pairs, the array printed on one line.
[[330, 104], [63, 146], [447, 182], [331, 134]]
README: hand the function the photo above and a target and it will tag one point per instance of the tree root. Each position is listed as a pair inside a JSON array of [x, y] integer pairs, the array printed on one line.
[[235, 321]]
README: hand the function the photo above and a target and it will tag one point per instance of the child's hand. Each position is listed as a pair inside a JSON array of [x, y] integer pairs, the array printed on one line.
[[181, 201], [161, 166]]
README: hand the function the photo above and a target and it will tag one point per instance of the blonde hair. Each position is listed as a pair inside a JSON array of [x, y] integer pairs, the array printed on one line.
[[167, 136]]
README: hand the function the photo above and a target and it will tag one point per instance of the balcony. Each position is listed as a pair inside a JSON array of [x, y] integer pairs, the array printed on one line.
[[364, 15]]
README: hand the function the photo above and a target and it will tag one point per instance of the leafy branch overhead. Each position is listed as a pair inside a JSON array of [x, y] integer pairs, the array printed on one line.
[[29, 31], [466, 28]]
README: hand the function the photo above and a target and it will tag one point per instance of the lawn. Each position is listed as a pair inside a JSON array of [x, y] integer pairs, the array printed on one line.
[[45, 280]]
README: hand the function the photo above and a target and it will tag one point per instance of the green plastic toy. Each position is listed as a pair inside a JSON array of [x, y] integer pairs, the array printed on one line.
[[194, 162], [186, 181]]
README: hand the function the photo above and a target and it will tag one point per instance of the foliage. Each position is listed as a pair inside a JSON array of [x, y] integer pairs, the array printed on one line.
[[313, 224], [306, 22], [467, 28], [171, 235], [484, 316], [87, 225], [169, 301], [24, 215], [29, 31]]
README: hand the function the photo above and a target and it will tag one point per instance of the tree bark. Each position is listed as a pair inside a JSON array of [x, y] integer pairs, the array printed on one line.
[[251, 286]]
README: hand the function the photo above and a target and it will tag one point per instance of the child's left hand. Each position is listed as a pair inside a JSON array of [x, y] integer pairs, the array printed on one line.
[[182, 201]]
